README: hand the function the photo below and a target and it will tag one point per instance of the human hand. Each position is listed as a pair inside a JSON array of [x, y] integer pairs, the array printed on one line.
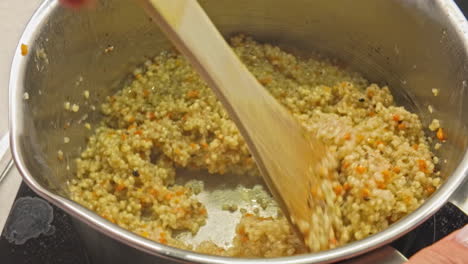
[[75, 4], [452, 249]]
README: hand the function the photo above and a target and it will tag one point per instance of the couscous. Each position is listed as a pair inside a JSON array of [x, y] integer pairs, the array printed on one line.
[[167, 119]]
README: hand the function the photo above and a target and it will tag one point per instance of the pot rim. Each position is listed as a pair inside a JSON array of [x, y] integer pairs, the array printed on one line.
[[398, 229]]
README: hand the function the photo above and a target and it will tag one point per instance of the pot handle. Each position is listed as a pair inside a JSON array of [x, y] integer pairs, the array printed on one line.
[[383, 255], [460, 197], [6, 161]]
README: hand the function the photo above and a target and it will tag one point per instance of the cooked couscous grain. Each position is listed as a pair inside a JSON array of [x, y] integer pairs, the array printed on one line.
[[168, 119]]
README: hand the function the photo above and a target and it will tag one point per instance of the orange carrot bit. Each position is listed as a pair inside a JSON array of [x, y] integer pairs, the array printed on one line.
[[163, 235], [422, 165], [193, 94], [430, 189], [314, 192], [365, 193], [153, 192], [333, 241], [123, 136], [120, 187], [265, 81], [204, 145], [244, 238], [407, 199], [360, 169], [146, 92], [168, 196], [396, 170], [193, 145], [347, 136], [370, 94], [162, 240], [131, 119], [203, 211], [180, 192], [381, 184], [151, 115], [415, 146], [396, 118], [386, 175], [338, 189], [371, 113], [345, 165], [378, 142], [347, 187], [138, 132], [441, 134], [248, 215], [402, 126], [132, 126], [24, 49]]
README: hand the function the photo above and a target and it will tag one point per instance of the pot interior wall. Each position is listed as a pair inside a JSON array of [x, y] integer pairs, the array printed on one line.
[[409, 45]]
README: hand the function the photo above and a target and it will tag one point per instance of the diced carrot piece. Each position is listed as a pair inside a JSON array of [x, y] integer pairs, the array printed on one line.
[[360, 169], [153, 192], [378, 142], [120, 187], [338, 189], [347, 187], [396, 170], [396, 118], [265, 81], [440, 134], [422, 165], [347, 136], [365, 192], [193, 94], [345, 165], [386, 174], [402, 126], [24, 49], [381, 185]]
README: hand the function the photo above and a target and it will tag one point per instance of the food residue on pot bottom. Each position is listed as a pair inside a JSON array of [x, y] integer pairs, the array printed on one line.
[[168, 119]]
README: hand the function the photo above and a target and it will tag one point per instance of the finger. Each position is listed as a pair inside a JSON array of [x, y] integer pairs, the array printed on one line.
[[76, 3], [453, 249]]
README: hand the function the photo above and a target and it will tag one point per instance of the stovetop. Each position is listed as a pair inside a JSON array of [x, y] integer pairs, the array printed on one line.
[[63, 244]]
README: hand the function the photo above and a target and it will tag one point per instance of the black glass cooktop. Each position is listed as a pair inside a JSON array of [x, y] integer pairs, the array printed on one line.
[[63, 244]]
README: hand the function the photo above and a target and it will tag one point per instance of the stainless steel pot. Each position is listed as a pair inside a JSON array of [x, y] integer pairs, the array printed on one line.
[[413, 46]]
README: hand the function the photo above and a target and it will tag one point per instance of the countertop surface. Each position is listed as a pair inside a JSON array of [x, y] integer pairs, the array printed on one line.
[[17, 13]]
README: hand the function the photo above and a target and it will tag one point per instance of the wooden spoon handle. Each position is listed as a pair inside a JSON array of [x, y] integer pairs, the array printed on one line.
[[274, 137]]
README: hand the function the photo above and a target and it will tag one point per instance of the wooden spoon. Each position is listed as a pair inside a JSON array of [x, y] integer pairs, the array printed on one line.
[[288, 157]]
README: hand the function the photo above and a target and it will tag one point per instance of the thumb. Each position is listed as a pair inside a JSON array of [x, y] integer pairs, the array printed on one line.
[[453, 249]]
